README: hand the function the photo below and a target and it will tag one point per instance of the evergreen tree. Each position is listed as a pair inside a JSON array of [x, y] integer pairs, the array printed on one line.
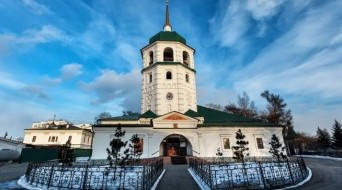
[[337, 135], [218, 152], [278, 114], [276, 148], [240, 151], [136, 148], [115, 156], [323, 139]]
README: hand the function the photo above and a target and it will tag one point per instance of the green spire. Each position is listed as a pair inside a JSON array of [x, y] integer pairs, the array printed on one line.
[[167, 25]]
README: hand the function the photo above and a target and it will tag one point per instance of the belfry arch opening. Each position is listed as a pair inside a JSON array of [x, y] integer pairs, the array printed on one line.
[[186, 59], [175, 145], [168, 54]]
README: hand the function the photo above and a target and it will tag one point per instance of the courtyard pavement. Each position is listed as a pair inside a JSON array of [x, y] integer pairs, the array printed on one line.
[[326, 174], [177, 177], [14, 171]]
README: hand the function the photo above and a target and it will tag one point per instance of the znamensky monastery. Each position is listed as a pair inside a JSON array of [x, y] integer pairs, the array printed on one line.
[[171, 123]]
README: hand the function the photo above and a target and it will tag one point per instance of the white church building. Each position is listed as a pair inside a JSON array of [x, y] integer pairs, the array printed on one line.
[[171, 123]]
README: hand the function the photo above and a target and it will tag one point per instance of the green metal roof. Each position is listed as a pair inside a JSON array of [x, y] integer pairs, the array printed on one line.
[[219, 118], [192, 113], [167, 36], [148, 114]]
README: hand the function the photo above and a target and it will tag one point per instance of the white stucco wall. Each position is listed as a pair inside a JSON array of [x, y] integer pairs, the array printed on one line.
[[42, 137], [204, 141], [154, 93]]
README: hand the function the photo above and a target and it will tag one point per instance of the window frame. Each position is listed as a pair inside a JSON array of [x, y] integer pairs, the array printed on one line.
[[168, 75], [257, 143]]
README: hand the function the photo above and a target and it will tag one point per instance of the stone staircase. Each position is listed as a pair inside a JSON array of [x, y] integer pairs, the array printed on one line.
[[178, 160]]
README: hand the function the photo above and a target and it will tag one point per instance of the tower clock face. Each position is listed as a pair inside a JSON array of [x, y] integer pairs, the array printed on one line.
[[169, 96]]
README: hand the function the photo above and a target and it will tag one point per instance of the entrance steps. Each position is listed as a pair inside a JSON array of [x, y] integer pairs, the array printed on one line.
[[178, 160]]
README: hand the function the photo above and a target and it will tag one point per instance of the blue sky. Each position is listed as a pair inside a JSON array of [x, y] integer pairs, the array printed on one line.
[[76, 59]]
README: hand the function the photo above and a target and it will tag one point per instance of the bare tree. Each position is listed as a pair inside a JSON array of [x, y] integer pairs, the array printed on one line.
[[102, 115], [214, 106], [245, 107]]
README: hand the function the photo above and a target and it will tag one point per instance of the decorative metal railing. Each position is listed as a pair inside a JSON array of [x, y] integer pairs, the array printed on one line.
[[95, 174], [254, 173]]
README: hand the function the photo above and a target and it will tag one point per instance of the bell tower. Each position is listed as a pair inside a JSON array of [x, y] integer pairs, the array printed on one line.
[[168, 73]]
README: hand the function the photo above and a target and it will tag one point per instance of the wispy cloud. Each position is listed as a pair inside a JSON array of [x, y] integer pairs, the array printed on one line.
[[36, 7], [8, 81], [36, 90], [263, 9], [31, 37]]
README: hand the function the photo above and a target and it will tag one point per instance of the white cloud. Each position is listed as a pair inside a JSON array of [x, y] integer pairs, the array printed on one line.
[[128, 53], [113, 87], [97, 38], [46, 34], [263, 9], [230, 24], [71, 70], [68, 72], [36, 7], [31, 37]]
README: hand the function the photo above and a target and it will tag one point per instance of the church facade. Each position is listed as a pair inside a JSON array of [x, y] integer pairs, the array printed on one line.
[[171, 122]]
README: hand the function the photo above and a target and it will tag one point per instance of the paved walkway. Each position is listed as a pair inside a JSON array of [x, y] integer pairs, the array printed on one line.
[[177, 177], [326, 174], [12, 171]]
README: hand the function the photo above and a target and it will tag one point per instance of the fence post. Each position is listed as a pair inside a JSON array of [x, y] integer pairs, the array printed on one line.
[[85, 177], [289, 168], [144, 177], [304, 167], [210, 177], [262, 176], [48, 185]]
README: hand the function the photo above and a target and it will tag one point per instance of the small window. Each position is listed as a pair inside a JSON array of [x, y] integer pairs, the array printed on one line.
[[150, 77], [175, 125], [56, 139], [151, 58], [168, 75], [260, 143], [226, 143], [53, 139], [70, 137], [49, 139], [186, 77], [168, 54], [186, 58], [34, 138]]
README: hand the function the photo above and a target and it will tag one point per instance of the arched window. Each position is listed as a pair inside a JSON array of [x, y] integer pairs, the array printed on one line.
[[168, 75], [186, 60], [168, 54], [151, 58], [186, 77]]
